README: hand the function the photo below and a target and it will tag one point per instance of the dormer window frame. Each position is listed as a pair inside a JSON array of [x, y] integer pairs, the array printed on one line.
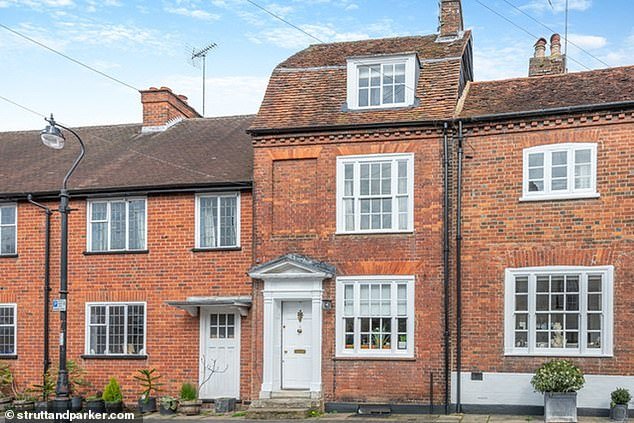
[[412, 71]]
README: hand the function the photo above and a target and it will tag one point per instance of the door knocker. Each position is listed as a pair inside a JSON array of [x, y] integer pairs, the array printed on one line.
[[300, 317]]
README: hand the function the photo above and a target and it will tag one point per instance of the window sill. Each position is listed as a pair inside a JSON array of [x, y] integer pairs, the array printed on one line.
[[558, 354], [8, 356], [114, 357], [202, 250], [375, 358], [8, 256], [106, 253], [381, 107], [406, 232], [550, 197]]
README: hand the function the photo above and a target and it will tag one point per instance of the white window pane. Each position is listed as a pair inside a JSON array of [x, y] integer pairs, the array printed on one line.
[[583, 156], [98, 339], [117, 225], [536, 186], [388, 74], [7, 240], [135, 323], [536, 159], [399, 73], [559, 172], [136, 219], [399, 93], [116, 328], [375, 96], [559, 158], [559, 184], [364, 76], [7, 215], [388, 94], [348, 206], [536, 173], [208, 221], [99, 211], [228, 221], [99, 236], [363, 97], [375, 75]]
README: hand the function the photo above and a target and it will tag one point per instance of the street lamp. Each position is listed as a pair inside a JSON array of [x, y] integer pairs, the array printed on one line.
[[53, 137]]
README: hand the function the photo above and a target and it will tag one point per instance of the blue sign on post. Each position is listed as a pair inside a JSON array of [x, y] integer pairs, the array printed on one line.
[[59, 305]]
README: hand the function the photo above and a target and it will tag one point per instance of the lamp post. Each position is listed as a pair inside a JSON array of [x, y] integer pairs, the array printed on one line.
[[52, 137]]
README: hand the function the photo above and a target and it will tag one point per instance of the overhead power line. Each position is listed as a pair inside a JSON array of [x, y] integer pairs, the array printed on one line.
[[553, 31], [521, 28], [67, 57], [285, 21]]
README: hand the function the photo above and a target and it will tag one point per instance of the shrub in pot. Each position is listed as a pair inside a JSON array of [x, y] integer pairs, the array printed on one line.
[[6, 386], [559, 381], [169, 405], [618, 406], [95, 403], [112, 397], [78, 384], [148, 380], [189, 403]]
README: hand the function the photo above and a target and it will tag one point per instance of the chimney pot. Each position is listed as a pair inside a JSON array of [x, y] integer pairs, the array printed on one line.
[[161, 107], [540, 48], [555, 64], [555, 45]]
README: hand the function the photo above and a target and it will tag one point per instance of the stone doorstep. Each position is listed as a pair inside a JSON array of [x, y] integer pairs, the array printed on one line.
[[284, 403], [278, 413]]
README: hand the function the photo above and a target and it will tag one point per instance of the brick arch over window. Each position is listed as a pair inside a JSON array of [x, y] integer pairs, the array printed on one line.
[[558, 255]]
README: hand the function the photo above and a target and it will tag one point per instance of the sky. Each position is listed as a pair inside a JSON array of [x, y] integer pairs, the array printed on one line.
[[149, 43]]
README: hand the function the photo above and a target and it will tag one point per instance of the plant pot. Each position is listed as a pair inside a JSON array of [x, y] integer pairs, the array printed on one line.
[[76, 404], [5, 403], [190, 408], [114, 406], [147, 405], [96, 405], [24, 405], [166, 410], [560, 407], [41, 406], [224, 405], [619, 413]]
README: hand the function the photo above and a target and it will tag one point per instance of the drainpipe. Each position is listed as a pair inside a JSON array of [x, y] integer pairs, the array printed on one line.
[[459, 270], [47, 286], [446, 259]]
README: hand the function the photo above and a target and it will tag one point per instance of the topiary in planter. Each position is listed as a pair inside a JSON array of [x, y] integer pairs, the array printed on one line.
[[559, 381], [618, 406], [113, 397]]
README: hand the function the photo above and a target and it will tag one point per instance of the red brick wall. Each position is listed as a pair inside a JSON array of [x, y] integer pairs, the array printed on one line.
[[501, 232], [170, 271], [288, 163]]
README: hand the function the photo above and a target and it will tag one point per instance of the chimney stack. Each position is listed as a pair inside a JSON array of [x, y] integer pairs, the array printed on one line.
[[162, 109], [450, 22], [541, 65]]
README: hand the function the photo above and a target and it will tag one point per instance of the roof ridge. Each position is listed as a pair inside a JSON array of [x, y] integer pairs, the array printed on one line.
[[373, 39]]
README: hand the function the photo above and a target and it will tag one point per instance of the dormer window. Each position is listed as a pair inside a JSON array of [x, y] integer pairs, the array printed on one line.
[[382, 82]]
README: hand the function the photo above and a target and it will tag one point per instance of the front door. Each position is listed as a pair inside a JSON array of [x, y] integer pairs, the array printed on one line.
[[296, 349], [219, 366]]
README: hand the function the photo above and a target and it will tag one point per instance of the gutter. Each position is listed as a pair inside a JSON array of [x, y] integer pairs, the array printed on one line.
[[115, 192], [459, 270], [435, 122], [445, 257]]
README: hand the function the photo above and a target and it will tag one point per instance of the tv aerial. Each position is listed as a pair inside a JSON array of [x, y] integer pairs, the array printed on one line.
[[199, 60]]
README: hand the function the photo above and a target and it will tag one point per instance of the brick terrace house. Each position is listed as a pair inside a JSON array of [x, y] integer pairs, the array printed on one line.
[[388, 231], [162, 218]]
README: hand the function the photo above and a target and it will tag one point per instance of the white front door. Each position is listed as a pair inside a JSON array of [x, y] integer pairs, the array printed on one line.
[[296, 344], [219, 366]]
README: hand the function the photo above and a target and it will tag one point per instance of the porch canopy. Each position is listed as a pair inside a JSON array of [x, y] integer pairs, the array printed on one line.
[[192, 304]]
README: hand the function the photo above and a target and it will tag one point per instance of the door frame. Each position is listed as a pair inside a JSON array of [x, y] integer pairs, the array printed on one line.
[[202, 345]]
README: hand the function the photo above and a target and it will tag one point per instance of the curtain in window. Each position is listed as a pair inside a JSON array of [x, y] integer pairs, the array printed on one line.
[[117, 226], [227, 221], [208, 217], [136, 224], [99, 226]]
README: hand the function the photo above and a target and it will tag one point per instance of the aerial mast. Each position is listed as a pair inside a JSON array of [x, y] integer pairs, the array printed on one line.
[[201, 55]]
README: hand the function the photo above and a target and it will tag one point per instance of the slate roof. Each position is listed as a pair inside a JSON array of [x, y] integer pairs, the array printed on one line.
[[194, 152], [548, 92], [309, 88]]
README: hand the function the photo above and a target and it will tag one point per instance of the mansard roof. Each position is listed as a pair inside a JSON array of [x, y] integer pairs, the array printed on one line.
[[309, 89], [193, 152]]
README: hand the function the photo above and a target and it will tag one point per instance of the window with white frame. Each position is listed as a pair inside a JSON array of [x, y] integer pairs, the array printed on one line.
[[115, 328], [381, 82], [375, 193], [563, 311], [560, 171], [8, 328], [218, 220], [375, 316], [8, 229], [117, 225]]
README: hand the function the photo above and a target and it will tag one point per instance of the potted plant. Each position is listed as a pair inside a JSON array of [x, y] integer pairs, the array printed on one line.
[[148, 380], [77, 384], [189, 403], [618, 406], [44, 390], [23, 401], [6, 386], [112, 397], [95, 403], [169, 405], [559, 381]]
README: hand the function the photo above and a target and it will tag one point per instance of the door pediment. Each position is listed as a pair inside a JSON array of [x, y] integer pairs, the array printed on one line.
[[293, 266]]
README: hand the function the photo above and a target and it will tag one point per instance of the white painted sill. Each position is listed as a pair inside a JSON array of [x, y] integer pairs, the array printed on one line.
[[395, 357], [558, 354], [404, 232], [549, 197]]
